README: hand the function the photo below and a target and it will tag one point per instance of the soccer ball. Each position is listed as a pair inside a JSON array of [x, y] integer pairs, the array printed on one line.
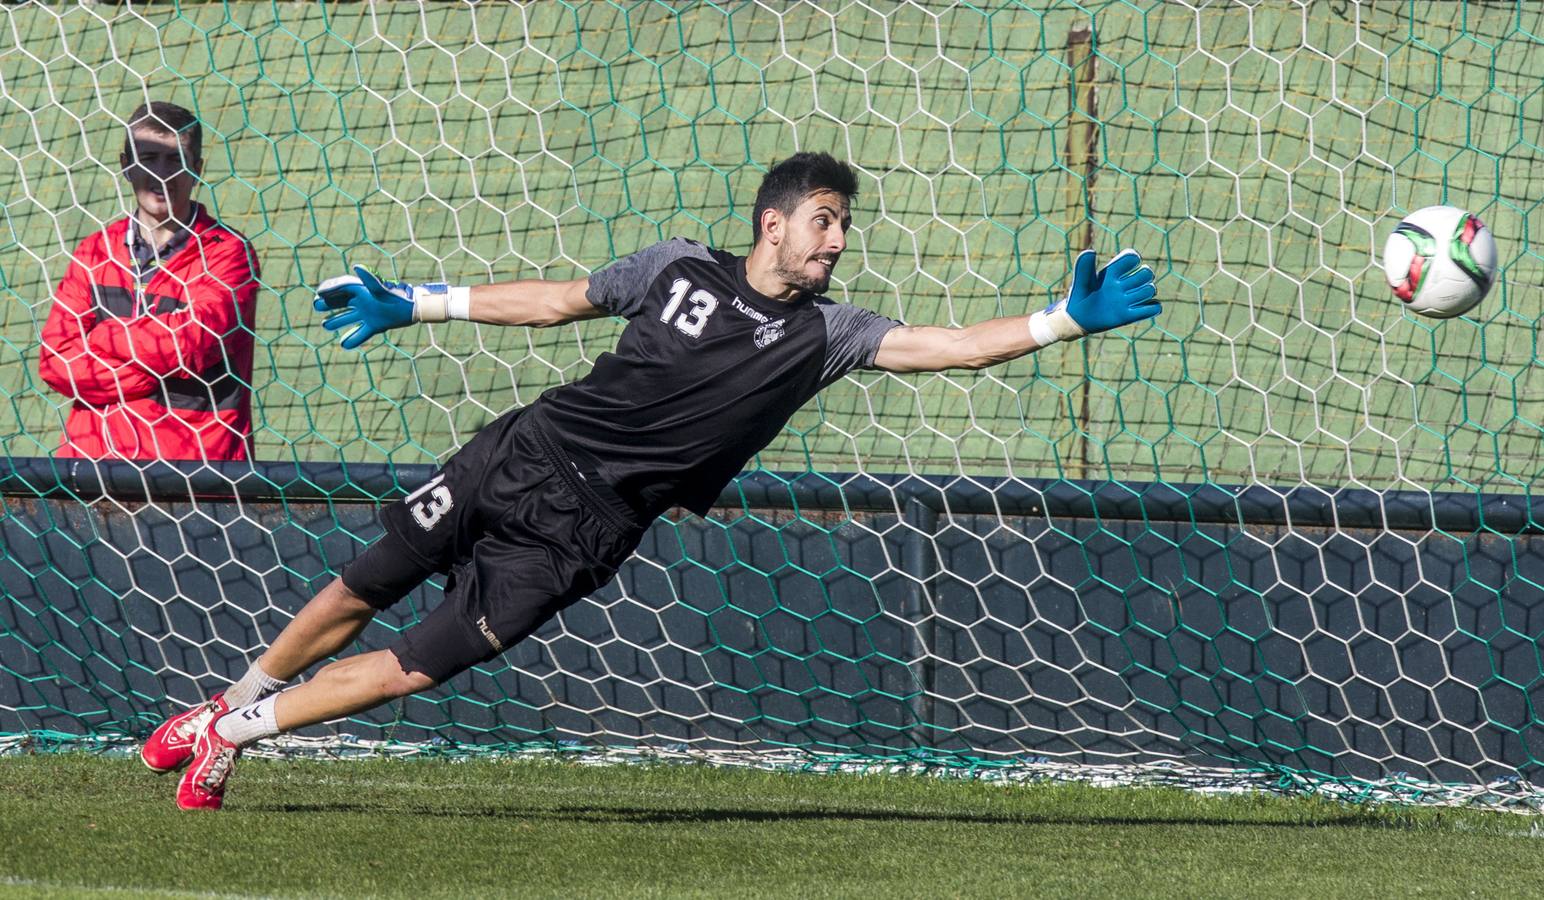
[[1440, 261]]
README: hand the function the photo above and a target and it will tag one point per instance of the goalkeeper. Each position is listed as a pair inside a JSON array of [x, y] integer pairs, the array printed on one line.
[[544, 504]]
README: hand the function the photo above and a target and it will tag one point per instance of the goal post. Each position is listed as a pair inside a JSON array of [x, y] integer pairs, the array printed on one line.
[[1284, 530]]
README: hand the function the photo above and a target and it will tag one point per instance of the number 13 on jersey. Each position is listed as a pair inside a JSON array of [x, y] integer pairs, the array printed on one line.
[[692, 321], [429, 511]]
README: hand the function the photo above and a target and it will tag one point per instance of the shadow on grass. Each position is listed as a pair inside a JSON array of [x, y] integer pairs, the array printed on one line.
[[624, 815]]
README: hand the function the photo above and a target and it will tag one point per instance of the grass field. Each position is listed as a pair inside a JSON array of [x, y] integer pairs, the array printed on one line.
[[80, 826]]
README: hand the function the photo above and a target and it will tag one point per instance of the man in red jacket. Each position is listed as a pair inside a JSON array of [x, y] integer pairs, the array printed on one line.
[[150, 335]]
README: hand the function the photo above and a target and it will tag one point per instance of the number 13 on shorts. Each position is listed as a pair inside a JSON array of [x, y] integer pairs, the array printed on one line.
[[428, 511]]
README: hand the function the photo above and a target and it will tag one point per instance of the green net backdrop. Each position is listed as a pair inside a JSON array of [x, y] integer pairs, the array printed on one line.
[[1255, 155]]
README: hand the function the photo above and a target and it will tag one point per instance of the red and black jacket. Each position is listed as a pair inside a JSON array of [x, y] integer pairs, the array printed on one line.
[[157, 358]]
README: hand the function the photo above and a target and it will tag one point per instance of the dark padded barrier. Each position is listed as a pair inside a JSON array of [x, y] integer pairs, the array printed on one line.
[[1345, 633]]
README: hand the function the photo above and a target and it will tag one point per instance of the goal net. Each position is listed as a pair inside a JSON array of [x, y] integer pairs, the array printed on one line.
[[1285, 531]]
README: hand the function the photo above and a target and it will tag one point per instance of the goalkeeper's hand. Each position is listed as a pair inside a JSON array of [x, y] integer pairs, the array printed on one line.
[[1119, 294], [370, 306]]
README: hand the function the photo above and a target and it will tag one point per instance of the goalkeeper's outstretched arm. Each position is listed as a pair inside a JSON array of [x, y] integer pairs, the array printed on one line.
[[365, 306], [533, 303], [1100, 299]]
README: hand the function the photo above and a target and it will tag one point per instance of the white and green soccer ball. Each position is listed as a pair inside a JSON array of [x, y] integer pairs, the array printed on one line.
[[1440, 261]]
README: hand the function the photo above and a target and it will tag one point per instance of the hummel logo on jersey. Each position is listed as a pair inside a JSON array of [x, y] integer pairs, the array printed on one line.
[[747, 311], [768, 333], [482, 625]]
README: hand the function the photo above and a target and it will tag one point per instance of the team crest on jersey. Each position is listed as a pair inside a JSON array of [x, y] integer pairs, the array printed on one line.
[[768, 333]]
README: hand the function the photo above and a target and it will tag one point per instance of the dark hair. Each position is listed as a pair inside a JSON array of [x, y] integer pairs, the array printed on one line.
[[166, 118], [795, 178]]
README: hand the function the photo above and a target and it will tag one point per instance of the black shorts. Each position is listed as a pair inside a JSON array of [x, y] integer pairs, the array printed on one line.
[[521, 532]]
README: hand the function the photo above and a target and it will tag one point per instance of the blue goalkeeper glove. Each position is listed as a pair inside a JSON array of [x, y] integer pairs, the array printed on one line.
[[371, 306], [1119, 294]]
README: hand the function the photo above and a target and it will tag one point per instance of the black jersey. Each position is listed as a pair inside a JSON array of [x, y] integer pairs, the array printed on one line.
[[705, 374]]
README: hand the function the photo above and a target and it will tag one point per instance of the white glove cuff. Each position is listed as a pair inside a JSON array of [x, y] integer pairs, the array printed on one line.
[[460, 305], [441, 303], [1048, 326]]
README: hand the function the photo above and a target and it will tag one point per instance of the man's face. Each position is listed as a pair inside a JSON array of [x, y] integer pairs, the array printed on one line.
[[162, 173], [813, 238]]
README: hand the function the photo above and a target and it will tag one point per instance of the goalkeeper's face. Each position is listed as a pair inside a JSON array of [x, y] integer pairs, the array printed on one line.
[[813, 238], [162, 175]]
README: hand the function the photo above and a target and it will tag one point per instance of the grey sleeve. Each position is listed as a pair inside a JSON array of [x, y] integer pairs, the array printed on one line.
[[620, 288], [853, 335]]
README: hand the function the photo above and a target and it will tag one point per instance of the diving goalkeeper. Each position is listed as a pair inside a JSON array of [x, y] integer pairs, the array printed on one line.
[[544, 504]]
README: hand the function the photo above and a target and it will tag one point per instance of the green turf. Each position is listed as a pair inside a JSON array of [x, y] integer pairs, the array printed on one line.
[[76, 824]]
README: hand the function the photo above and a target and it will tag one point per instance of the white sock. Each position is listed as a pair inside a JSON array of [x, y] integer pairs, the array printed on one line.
[[253, 686], [249, 724]]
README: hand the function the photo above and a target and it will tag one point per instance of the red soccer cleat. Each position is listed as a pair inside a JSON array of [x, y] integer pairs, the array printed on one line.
[[170, 746], [203, 784]]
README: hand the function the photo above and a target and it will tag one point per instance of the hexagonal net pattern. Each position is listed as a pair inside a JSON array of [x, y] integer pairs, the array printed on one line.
[[1283, 529]]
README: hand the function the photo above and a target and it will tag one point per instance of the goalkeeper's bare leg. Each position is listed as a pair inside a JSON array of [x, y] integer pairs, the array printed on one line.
[[520, 532], [341, 688], [327, 624], [322, 628], [331, 621]]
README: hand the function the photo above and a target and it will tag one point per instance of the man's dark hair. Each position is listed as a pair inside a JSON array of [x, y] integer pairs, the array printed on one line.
[[166, 118], [795, 178]]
